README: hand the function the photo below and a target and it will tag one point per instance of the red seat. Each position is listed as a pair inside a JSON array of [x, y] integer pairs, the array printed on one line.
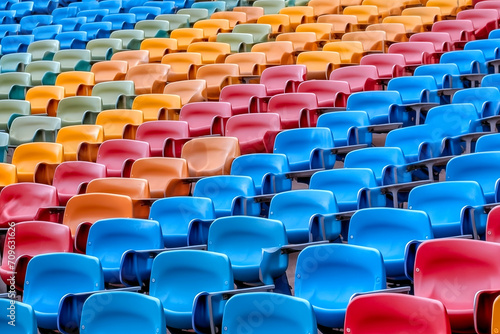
[[71, 178], [255, 132], [290, 107], [239, 96], [442, 40], [461, 31], [388, 65], [156, 132], [483, 20], [284, 78], [21, 201], [453, 271], [416, 53], [119, 154], [32, 238], [202, 116], [330, 93], [360, 77], [493, 225], [395, 313]]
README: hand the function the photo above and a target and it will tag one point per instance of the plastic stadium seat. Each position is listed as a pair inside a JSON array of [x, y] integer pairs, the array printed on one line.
[[33, 238], [166, 7], [468, 62], [388, 65], [158, 47], [84, 5], [487, 143], [336, 292], [72, 23], [212, 27], [63, 12], [120, 20], [195, 14], [131, 38], [212, 7], [103, 48], [110, 92], [415, 89], [366, 14], [7, 16], [116, 316], [249, 63], [324, 31], [188, 90], [97, 30], [112, 6], [211, 52], [319, 63], [27, 156], [347, 127], [73, 60], [155, 105], [234, 17], [372, 41], [10, 29], [33, 128], [395, 32], [277, 52], [61, 274], [483, 99], [444, 74], [75, 83], [72, 136], [148, 78], [202, 117], [270, 7], [253, 12], [30, 22], [16, 43], [15, 62], [360, 78], [489, 48], [415, 53], [260, 32], [71, 178], [183, 66], [143, 13], [186, 36], [163, 135], [93, 15], [9, 174], [108, 246], [350, 51], [412, 23], [342, 23], [492, 226], [461, 31], [255, 132], [293, 108], [240, 96], [381, 105], [110, 70], [44, 99], [330, 93], [153, 28], [24, 311], [72, 40], [385, 8], [117, 157], [302, 41], [280, 23], [322, 7], [283, 78], [483, 20], [163, 175], [43, 49], [216, 76], [442, 40], [175, 20], [78, 109], [41, 68], [395, 312], [132, 57]]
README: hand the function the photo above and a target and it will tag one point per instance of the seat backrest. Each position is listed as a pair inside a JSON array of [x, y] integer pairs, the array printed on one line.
[[343, 125], [276, 78], [27, 128], [72, 136], [239, 96], [277, 52], [132, 187], [376, 103], [358, 77], [375, 158], [188, 90], [158, 47], [489, 142], [114, 152], [156, 132], [27, 156], [113, 121], [110, 91], [249, 127], [211, 52], [148, 78], [24, 311], [152, 104], [73, 110], [200, 116], [290, 105], [413, 89], [132, 57]]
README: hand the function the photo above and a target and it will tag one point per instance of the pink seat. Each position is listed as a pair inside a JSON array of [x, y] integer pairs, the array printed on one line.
[[483, 20], [203, 116], [284, 78], [461, 31], [388, 65], [119, 154], [255, 132], [488, 5], [290, 107], [32, 238], [148, 78], [442, 40], [416, 53], [239, 96], [71, 178], [330, 93], [360, 77], [156, 132], [21, 201]]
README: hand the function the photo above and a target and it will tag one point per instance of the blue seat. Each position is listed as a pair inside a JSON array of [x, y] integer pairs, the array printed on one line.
[[5, 4], [30, 22], [23, 321], [23, 9], [228, 194], [63, 12], [489, 47], [179, 277], [72, 23], [347, 127], [47, 32], [51, 276], [15, 62], [292, 315], [306, 148], [121, 20], [446, 75], [300, 211], [485, 99], [145, 12], [84, 5], [211, 6], [45, 6], [108, 239], [491, 80], [175, 215], [468, 62], [16, 43], [340, 271], [166, 7], [72, 40], [494, 34], [377, 104], [7, 16], [268, 171], [389, 230], [9, 29], [117, 316], [415, 89], [96, 29], [445, 204], [93, 15], [490, 142], [113, 6]]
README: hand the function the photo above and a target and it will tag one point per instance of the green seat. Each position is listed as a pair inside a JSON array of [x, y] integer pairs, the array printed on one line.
[[4, 146], [43, 50], [175, 21], [10, 109], [153, 28], [15, 62], [260, 31], [131, 38], [270, 6], [211, 6], [195, 14], [103, 48], [239, 42], [12, 85], [73, 59], [111, 91], [39, 68], [27, 129], [77, 110]]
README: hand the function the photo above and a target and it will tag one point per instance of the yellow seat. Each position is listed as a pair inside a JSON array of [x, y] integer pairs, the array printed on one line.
[[8, 174], [253, 13], [302, 41], [385, 7], [148, 78], [350, 52], [319, 63], [207, 156], [279, 22], [76, 83], [152, 105], [188, 91], [324, 7], [132, 57], [250, 63], [449, 8], [44, 99], [217, 76], [186, 36], [114, 121], [211, 52], [323, 31], [347, 3], [28, 156], [395, 32], [413, 24], [365, 14], [298, 15], [109, 70], [429, 15], [341, 23], [163, 174], [233, 17], [183, 65], [371, 40], [211, 27], [158, 47], [277, 53], [70, 137]]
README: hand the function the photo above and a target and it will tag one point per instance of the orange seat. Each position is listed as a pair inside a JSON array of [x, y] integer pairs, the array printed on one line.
[[188, 90], [350, 52], [448, 8], [324, 7], [277, 53], [183, 65], [298, 15], [412, 23], [394, 32], [365, 14], [27, 156], [158, 47], [233, 17], [319, 63], [323, 31], [44, 99], [211, 52], [302, 41], [148, 78], [132, 57], [385, 7], [207, 156], [371, 40], [429, 15], [152, 105], [341, 23], [163, 174], [72, 136], [114, 121], [186, 36], [109, 70], [279, 22], [250, 63], [253, 13], [8, 174], [216, 77], [211, 27], [76, 83]]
